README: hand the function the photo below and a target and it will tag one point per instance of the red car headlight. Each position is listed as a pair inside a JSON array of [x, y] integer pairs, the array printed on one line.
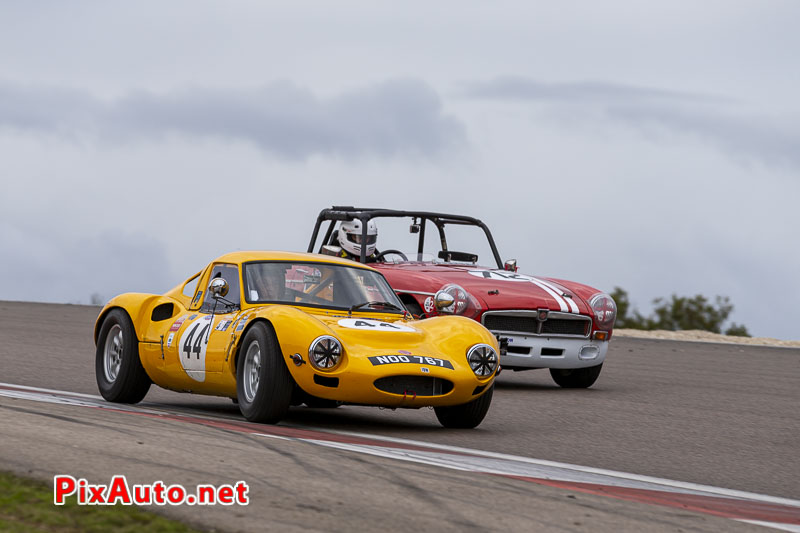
[[605, 310], [463, 303]]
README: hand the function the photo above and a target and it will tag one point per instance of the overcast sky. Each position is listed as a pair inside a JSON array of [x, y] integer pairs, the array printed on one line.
[[655, 147]]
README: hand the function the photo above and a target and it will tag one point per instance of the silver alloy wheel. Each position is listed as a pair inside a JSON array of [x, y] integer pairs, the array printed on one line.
[[252, 371], [112, 355]]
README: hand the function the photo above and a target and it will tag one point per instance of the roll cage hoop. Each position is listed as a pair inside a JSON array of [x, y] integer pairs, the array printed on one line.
[[347, 213]]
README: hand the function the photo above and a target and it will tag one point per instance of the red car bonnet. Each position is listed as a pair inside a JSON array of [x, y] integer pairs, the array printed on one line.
[[493, 292]]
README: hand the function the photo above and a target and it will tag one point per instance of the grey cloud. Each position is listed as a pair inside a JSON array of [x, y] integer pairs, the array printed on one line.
[[45, 109], [51, 267], [713, 119], [520, 88], [768, 140], [393, 118]]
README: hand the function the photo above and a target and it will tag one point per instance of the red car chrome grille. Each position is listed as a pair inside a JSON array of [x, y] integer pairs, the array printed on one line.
[[556, 324]]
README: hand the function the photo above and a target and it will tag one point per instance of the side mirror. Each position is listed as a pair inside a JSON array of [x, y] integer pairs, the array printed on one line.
[[443, 300], [331, 250], [510, 265], [218, 288]]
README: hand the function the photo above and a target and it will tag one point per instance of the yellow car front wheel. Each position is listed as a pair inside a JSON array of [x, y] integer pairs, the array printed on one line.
[[263, 383]]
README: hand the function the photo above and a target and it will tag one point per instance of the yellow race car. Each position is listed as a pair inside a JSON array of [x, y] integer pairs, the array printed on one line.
[[274, 329]]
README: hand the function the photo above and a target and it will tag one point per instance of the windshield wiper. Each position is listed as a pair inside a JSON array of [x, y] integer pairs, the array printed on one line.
[[389, 305]]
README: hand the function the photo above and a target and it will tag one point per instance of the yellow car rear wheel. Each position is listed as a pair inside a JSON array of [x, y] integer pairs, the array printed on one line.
[[118, 370]]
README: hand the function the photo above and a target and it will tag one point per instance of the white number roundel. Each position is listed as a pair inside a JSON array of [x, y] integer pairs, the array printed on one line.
[[192, 348], [373, 325], [500, 275]]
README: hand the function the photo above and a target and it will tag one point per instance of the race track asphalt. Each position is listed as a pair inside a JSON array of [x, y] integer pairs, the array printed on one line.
[[712, 414]]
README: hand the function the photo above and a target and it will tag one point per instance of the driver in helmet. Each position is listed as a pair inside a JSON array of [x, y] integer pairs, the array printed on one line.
[[265, 283], [350, 240]]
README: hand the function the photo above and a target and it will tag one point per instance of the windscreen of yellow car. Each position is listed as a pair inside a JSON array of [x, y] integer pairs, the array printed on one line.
[[320, 285]]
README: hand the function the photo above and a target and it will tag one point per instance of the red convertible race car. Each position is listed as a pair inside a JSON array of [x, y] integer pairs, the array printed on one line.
[[539, 322]]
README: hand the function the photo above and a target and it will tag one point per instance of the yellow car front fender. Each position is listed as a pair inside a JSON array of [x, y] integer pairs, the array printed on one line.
[[293, 328], [436, 339]]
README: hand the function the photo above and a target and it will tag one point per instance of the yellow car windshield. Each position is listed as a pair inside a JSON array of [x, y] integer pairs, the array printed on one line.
[[318, 284]]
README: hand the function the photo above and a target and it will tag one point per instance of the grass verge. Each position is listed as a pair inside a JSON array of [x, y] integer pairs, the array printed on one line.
[[27, 506]]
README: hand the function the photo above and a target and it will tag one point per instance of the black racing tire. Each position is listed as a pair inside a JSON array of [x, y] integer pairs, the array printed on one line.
[[467, 415], [118, 369], [263, 383], [320, 403], [576, 378]]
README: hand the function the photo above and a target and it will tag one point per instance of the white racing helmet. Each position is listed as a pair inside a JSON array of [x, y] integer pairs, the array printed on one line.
[[350, 237]]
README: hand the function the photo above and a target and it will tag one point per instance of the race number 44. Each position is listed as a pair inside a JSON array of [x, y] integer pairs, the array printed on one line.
[[194, 338]]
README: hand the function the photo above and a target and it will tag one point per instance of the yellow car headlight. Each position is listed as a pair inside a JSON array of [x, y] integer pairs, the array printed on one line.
[[325, 352], [482, 360]]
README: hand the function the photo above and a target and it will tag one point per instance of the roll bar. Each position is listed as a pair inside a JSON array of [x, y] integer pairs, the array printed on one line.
[[346, 213]]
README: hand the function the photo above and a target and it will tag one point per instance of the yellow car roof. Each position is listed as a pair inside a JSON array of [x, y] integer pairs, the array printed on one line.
[[269, 255]]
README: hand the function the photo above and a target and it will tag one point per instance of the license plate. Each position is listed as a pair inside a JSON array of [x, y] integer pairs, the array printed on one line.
[[410, 359]]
